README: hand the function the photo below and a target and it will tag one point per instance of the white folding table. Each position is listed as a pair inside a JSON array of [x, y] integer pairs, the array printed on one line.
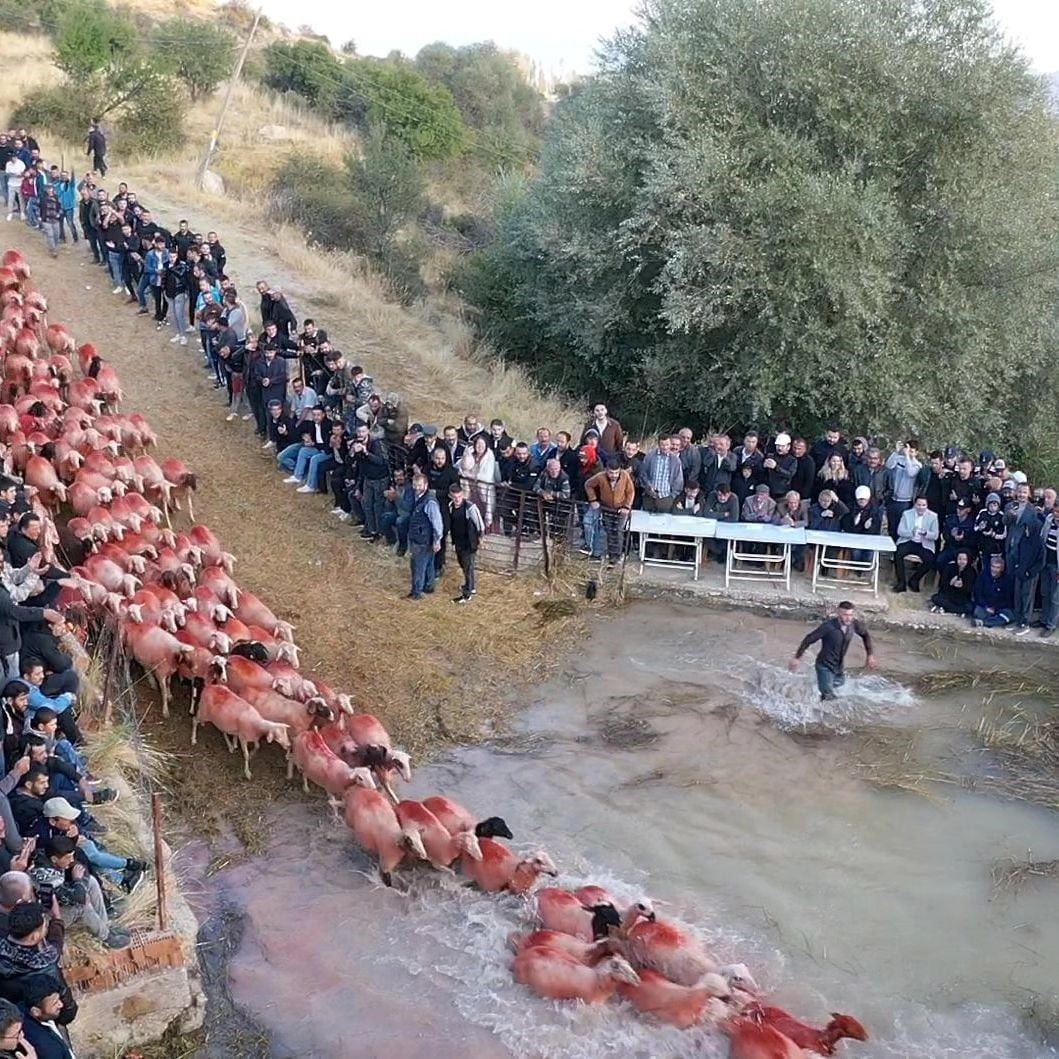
[[681, 531], [742, 564], [828, 570]]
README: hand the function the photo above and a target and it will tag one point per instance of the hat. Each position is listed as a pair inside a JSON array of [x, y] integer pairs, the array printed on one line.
[[429, 431], [1008, 484], [761, 487], [591, 433], [1018, 477], [416, 428], [999, 465], [862, 492], [783, 439], [993, 498], [61, 808]]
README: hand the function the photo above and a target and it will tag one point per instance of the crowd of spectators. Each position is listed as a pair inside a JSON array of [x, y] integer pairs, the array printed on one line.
[[964, 518]]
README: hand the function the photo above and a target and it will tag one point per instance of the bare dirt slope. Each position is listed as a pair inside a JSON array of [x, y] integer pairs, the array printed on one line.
[[433, 671]]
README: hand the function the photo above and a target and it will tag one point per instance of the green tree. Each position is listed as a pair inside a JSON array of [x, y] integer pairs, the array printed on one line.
[[199, 53], [90, 37], [421, 115], [795, 209], [387, 189], [305, 67], [492, 94]]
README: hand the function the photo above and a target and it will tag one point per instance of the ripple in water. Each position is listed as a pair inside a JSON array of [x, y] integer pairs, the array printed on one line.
[[792, 700]]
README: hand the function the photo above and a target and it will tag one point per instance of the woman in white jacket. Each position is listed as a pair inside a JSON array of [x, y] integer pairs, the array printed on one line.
[[478, 470]]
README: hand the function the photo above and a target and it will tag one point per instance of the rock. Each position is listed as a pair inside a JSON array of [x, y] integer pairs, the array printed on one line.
[[275, 133], [212, 182]]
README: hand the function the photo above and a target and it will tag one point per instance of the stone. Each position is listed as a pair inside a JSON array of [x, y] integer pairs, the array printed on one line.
[[212, 182], [275, 133]]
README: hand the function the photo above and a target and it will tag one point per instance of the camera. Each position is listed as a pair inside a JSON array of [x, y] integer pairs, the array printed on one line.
[[45, 882]]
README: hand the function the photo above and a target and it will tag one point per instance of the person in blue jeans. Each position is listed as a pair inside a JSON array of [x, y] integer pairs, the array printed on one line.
[[834, 636], [305, 460], [425, 530], [126, 872], [399, 501]]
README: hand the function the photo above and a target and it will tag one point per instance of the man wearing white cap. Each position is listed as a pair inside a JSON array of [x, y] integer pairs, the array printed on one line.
[[864, 517], [126, 872], [780, 467]]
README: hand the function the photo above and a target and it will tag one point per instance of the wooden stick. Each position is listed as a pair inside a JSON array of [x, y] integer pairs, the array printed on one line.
[[159, 859]]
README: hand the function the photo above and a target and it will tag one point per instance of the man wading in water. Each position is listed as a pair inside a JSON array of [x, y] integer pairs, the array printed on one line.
[[834, 635]]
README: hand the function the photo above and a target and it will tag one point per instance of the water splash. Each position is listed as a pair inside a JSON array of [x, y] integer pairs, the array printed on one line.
[[792, 700]]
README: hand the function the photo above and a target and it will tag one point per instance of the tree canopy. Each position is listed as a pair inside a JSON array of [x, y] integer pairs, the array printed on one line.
[[199, 53], [796, 210], [90, 37]]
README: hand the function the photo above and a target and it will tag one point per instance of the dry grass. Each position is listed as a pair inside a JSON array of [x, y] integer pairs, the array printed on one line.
[[31, 58], [994, 681], [1010, 875]]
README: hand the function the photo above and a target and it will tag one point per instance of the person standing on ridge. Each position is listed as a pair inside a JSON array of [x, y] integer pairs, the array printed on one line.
[[96, 146], [834, 636]]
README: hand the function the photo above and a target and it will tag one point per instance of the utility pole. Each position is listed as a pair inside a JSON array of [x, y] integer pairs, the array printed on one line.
[[216, 134]]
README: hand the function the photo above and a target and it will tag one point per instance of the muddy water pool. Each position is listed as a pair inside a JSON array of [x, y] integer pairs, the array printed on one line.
[[675, 757]]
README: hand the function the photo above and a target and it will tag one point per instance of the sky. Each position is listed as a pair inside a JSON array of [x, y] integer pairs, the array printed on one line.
[[561, 35]]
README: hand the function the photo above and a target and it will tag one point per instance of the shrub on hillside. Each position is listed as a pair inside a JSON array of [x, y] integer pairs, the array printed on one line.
[[305, 67], [58, 109], [155, 123], [315, 196], [90, 37]]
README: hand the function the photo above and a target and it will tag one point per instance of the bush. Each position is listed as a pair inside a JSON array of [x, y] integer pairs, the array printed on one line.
[[316, 197], [59, 109], [305, 67], [154, 123], [198, 53]]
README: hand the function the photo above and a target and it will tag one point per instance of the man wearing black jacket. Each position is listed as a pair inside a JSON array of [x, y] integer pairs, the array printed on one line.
[[441, 476], [282, 315], [834, 637], [371, 471], [804, 480]]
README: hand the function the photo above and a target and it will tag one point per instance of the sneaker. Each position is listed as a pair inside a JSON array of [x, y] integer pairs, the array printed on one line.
[[117, 290], [247, 417], [305, 489], [104, 795], [462, 599], [364, 535], [344, 517], [183, 340], [175, 339], [1022, 630], [292, 480], [978, 623], [117, 939], [142, 312], [1045, 631], [585, 551], [158, 326], [132, 876], [268, 445], [231, 415], [336, 511]]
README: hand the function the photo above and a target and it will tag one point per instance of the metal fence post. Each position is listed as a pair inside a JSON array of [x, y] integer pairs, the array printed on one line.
[[518, 528]]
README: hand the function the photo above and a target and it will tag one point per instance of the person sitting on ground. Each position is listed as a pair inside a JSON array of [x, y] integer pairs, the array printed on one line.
[[956, 580], [66, 780], [994, 595], [27, 799], [917, 535], [44, 723], [33, 945], [304, 457], [79, 893], [62, 703], [41, 1006], [282, 430], [42, 647], [303, 401], [16, 888]]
